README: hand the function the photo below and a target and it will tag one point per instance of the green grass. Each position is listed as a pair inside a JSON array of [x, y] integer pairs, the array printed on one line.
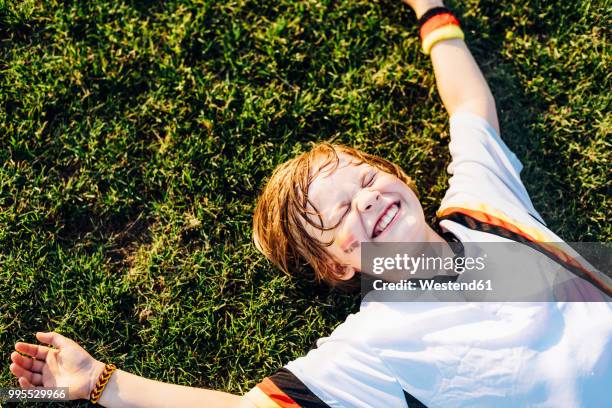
[[135, 136]]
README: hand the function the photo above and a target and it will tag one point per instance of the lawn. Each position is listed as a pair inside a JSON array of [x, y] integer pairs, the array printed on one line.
[[136, 135]]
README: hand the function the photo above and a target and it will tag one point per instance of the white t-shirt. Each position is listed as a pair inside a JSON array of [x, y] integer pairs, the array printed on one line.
[[409, 354]]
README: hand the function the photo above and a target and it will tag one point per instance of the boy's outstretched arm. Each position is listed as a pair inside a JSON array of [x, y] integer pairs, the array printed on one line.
[[69, 365], [129, 390], [460, 82]]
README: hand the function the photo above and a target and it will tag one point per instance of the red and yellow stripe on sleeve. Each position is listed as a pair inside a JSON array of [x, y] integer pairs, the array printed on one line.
[[267, 395], [492, 216]]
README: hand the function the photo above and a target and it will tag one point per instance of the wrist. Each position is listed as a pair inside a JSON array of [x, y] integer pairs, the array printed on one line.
[[420, 7], [95, 371]]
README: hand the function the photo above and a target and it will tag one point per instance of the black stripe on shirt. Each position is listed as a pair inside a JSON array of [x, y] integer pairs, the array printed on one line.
[[296, 389], [412, 401], [477, 225]]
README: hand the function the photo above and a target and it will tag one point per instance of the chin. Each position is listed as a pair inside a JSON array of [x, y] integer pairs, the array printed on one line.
[[413, 231]]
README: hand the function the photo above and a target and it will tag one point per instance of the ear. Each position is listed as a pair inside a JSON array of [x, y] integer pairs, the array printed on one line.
[[344, 272]]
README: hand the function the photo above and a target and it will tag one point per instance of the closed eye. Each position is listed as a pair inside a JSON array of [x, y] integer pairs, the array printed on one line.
[[347, 209], [370, 180], [367, 181]]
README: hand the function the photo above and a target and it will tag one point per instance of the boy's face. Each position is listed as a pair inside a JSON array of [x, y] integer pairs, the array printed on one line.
[[369, 205]]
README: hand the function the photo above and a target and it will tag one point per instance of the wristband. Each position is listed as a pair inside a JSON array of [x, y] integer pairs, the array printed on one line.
[[435, 22], [96, 393], [432, 12], [446, 32]]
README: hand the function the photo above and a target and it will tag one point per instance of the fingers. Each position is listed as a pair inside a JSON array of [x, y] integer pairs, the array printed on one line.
[[30, 364], [40, 352], [34, 350], [24, 383], [32, 378], [53, 338]]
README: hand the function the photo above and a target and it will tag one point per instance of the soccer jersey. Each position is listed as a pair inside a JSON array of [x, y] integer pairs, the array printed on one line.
[[476, 354]]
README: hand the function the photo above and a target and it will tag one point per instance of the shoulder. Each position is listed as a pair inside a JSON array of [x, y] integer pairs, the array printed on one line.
[[484, 170]]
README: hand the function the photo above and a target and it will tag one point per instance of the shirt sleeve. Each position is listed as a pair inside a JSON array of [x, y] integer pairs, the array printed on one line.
[[283, 389], [336, 374], [483, 169]]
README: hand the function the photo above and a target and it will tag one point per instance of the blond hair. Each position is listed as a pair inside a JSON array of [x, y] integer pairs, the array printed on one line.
[[284, 207]]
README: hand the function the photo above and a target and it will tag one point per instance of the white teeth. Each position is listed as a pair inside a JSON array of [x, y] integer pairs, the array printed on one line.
[[386, 219]]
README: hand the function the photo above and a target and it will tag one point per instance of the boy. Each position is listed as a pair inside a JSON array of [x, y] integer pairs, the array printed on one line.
[[322, 207]]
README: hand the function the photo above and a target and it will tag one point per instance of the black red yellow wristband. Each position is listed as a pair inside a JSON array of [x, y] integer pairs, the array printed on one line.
[[438, 24], [431, 13]]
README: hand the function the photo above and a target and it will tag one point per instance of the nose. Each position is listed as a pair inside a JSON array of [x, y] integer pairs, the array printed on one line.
[[366, 200]]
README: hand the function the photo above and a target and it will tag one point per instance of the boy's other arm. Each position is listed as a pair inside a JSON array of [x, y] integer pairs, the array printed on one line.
[[460, 82], [69, 365], [129, 390]]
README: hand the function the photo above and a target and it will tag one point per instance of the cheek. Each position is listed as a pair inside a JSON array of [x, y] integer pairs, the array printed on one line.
[[415, 203], [414, 212], [387, 181], [348, 249], [347, 241], [351, 257]]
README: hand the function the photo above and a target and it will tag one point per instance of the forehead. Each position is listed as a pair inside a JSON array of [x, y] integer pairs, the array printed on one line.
[[329, 178]]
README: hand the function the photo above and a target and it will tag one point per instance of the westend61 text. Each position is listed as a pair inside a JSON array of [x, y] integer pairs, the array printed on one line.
[[428, 284]]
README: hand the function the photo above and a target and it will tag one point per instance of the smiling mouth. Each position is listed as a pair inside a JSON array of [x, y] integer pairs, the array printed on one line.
[[385, 219]]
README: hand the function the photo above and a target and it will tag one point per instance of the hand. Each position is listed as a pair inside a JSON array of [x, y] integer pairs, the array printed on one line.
[[67, 365], [421, 6]]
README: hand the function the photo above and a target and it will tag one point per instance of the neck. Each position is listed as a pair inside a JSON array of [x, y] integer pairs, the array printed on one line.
[[433, 236], [433, 245], [442, 248]]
